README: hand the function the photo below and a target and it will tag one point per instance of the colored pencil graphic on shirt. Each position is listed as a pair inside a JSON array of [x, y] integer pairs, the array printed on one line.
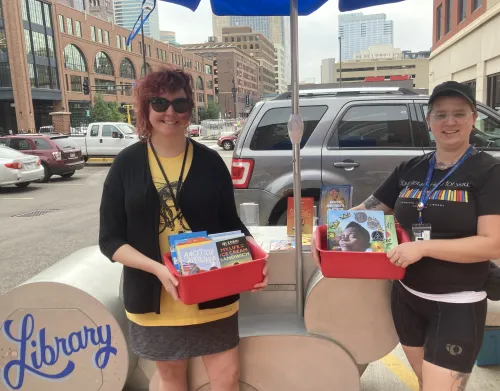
[[441, 195]]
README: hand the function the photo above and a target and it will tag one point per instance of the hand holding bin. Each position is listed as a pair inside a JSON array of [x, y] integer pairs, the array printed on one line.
[[215, 284], [357, 265]]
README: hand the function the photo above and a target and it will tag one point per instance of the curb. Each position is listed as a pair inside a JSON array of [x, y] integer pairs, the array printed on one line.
[[100, 160]]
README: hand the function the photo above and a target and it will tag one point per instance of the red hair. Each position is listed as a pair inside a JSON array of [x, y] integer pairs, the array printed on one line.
[[155, 84]]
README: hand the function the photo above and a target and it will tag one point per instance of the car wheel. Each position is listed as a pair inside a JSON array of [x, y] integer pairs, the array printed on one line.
[[85, 159], [46, 174], [227, 145], [67, 175], [23, 185]]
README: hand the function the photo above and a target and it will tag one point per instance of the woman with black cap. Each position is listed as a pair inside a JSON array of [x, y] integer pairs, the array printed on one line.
[[448, 201]]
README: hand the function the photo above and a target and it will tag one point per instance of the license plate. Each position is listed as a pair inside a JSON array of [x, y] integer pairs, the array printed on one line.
[[29, 166], [72, 155]]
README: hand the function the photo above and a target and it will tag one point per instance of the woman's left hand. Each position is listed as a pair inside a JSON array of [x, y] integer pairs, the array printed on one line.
[[406, 254], [260, 286]]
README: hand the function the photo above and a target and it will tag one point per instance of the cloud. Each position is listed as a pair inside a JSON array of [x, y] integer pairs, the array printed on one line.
[[317, 32]]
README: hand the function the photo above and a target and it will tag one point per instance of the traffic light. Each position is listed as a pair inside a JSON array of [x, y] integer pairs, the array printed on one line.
[[86, 88]]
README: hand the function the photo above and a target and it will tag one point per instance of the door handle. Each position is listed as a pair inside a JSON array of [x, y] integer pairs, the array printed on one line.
[[100, 140], [346, 164]]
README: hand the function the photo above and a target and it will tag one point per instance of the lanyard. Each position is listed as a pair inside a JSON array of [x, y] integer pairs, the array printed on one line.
[[424, 197], [175, 196]]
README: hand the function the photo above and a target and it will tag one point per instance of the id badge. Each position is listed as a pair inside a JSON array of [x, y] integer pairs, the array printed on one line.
[[421, 231]]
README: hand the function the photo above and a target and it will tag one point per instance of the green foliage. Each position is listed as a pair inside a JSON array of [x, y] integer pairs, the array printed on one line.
[[105, 111], [211, 111]]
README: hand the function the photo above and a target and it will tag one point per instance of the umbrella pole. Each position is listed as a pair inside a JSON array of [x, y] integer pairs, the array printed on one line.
[[297, 181]]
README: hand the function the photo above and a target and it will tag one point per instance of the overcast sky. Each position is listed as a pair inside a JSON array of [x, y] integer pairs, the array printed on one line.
[[317, 32]]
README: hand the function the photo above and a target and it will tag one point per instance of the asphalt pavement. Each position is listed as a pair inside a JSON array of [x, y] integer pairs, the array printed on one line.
[[63, 217]]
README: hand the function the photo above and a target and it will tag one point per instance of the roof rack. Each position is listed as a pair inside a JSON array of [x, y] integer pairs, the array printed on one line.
[[348, 92]]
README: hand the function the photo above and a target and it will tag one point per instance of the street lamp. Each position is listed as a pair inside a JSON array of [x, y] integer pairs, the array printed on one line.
[[234, 94], [145, 64]]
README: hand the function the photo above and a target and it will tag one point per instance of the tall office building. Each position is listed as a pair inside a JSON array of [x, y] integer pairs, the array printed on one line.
[[168, 37], [358, 32], [274, 28], [127, 12]]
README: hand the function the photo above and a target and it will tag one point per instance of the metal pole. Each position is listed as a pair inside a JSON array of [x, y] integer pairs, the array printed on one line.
[[297, 185], [340, 59], [145, 64], [234, 97]]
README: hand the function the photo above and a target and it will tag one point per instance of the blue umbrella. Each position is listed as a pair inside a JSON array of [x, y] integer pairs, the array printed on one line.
[[292, 8]]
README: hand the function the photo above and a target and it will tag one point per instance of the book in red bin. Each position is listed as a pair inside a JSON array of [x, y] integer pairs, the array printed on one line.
[[220, 282], [233, 251], [357, 265], [307, 204]]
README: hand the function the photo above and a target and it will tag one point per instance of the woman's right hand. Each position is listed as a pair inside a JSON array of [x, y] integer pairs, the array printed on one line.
[[315, 252], [168, 280]]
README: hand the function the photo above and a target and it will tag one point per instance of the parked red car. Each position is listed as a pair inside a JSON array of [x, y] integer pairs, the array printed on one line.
[[228, 142], [59, 154]]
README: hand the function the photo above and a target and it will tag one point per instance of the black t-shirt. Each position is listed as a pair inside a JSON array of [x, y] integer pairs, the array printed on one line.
[[452, 211]]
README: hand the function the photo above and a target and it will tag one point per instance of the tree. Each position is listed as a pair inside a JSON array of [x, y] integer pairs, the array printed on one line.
[[105, 111], [212, 111]]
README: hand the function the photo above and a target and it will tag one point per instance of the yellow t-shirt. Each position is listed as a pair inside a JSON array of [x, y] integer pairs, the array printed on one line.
[[174, 313]]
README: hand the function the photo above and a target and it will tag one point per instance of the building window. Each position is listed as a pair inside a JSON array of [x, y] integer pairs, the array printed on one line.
[[201, 97], [76, 83], [99, 35], [105, 87], [439, 16], [36, 14], [103, 64], [46, 12], [199, 83], [92, 33], [69, 24], [124, 43], [78, 29], [476, 4], [127, 70], [106, 37], [118, 42], [448, 16], [5, 80], [493, 91], [73, 59], [462, 5], [61, 23]]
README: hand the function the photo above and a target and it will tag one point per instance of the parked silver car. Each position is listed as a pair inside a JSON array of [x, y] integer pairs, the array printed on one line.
[[17, 168], [351, 136]]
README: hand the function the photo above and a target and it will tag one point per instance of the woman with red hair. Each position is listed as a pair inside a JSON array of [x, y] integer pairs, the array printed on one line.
[[162, 185]]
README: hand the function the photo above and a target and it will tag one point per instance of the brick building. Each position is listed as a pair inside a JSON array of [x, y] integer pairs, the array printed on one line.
[[232, 62], [57, 48], [465, 46]]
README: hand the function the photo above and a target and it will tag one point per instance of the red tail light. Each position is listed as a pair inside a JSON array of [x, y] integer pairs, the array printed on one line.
[[241, 172], [14, 166], [38, 162]]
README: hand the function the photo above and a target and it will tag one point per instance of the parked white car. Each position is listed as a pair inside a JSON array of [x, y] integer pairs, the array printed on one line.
[[17, 168]]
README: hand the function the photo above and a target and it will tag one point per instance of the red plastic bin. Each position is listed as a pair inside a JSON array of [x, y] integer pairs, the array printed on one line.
[[215, 284], [358, 265]]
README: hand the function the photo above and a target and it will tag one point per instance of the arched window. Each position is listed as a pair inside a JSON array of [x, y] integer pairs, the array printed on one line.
[[149, 69], [103, 64], [192, 80], [127, 69], [73, 59], [199, 83]]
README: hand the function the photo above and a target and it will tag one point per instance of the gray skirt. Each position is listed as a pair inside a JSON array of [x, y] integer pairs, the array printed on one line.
[[170, 343]]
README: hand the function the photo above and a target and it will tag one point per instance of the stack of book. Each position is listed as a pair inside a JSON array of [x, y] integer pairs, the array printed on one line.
[[196, 252]]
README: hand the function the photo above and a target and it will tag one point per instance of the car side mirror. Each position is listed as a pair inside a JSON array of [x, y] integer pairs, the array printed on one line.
[[116, 134]]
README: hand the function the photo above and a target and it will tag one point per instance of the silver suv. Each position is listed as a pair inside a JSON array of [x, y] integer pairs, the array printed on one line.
[[351, 136]]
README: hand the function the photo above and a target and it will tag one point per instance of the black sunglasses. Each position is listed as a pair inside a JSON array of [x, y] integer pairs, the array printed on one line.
[[180, 105]]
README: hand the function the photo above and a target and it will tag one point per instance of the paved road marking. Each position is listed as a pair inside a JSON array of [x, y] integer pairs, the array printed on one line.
[[16, 198], [402, 372]]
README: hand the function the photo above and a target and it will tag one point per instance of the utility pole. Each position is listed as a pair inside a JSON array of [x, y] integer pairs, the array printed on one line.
[[340, 60]]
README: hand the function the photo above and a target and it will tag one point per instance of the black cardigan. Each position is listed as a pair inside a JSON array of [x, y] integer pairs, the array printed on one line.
[[130, 214]]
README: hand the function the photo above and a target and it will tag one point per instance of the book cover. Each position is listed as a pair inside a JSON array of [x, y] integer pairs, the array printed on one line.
[[202, 254], [337, 197], [233, 251], [307, 216], [391, 237], [358, 231], [282, 245], [223, 234], [176, 238]]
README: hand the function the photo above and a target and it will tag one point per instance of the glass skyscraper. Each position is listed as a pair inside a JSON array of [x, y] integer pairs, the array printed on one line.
[[358, 32], [127, 12]]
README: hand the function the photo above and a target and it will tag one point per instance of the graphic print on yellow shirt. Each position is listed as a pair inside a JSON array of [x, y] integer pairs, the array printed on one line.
[[174, 313]]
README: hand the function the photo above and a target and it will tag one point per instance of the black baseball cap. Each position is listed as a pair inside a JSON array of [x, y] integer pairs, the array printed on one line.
[[453, 88]]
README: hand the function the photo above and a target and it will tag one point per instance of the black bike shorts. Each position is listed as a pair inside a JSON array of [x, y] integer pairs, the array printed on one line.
[[451, 334]]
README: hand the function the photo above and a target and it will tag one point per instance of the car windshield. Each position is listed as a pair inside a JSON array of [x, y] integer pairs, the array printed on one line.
[[126, 128], [65, 143], [9, 153]]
